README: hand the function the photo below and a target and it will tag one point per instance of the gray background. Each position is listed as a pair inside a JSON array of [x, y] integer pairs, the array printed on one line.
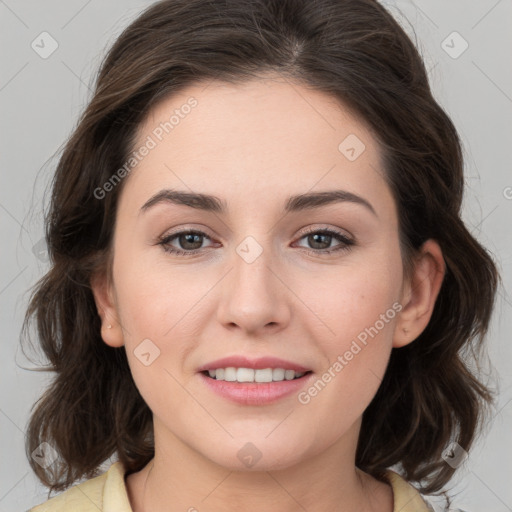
[[40, 100]]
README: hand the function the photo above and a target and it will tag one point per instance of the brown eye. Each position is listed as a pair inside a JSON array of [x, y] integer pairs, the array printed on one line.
[[320, 241], [189, 242]]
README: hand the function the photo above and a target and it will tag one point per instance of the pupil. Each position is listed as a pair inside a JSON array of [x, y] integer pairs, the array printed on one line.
[[189, 238], [316, 236]]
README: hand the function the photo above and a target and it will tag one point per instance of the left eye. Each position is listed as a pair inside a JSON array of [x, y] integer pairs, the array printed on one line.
[[326, 236], [191, 241]]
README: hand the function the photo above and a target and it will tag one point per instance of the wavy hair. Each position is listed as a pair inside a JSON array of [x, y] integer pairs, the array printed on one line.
[[353, 50]]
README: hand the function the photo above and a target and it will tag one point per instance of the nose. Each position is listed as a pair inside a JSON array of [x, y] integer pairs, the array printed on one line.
[[254, 295]]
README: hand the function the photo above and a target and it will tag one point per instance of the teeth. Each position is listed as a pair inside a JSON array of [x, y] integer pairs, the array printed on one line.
[[232, 374], [263, 375], [245, 375], [278, 374], [289, 374]]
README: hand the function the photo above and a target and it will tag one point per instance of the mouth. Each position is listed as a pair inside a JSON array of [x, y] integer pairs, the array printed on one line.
[[251, 375], [255, 387], [253, 381]]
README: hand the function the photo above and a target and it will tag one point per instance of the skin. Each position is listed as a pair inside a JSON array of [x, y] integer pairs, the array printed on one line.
[[252, 145]]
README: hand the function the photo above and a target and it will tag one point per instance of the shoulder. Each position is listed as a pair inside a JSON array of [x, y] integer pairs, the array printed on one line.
[[106, 492], [406, 497]]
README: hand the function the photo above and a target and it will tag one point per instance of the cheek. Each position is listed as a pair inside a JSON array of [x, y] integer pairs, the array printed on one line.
[[153, 298], [358, 311], [161, 311], [150, 307], [352, 299]]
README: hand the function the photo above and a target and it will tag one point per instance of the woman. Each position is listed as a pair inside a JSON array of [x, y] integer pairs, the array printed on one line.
[[261, 283]]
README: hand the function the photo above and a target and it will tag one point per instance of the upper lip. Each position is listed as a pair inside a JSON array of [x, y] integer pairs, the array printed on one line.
[[259, 363]]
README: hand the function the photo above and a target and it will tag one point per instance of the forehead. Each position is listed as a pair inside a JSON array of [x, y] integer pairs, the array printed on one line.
[[256, 137], [282, 113]]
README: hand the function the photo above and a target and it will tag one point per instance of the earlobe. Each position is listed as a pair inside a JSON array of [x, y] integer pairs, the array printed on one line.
[[421, 294], [111, 331]]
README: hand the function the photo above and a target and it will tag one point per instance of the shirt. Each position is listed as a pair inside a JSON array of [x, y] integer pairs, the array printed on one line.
[[108, 493]]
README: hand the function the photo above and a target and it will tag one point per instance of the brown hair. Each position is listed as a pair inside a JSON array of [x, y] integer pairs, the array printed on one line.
[[353, 50]]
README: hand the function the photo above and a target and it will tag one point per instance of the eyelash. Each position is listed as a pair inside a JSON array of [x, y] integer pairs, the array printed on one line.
[[344, 246]]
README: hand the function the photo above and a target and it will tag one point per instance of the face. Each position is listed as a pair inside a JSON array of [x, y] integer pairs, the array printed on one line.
[[315, 283]]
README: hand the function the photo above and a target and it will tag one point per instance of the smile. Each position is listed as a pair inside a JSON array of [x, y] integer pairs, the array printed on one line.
[[232, 374]]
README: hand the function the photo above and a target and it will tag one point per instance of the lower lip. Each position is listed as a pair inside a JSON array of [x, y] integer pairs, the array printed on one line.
[[255, 393]]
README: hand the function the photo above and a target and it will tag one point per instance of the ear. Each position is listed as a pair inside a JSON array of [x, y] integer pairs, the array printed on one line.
[[111, 330], [420, 293]]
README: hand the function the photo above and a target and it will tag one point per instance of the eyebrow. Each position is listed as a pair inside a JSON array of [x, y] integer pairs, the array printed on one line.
[[294, 203]]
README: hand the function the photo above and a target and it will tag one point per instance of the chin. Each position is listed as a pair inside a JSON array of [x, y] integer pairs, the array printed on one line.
[[256, 453]]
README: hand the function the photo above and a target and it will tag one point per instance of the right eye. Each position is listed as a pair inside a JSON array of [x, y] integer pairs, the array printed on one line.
[[186, 239]]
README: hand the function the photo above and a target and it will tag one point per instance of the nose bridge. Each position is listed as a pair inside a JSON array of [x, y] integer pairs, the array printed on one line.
[[253, 297], [253, 262]]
